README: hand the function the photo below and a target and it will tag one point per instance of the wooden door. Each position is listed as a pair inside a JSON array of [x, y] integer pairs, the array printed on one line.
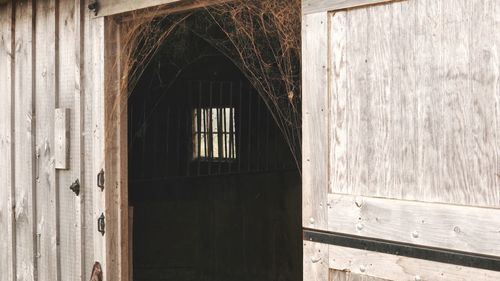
[[401, 144]]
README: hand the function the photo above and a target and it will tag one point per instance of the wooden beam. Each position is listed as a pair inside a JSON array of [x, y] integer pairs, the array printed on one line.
[[391, 267], [113, 7], [316, 6], [449, 227]]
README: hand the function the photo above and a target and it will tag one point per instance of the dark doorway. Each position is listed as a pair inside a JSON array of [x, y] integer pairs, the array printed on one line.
[[215, 191]]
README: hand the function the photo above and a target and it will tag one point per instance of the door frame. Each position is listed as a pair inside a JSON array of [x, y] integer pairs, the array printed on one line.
[[115, 252]]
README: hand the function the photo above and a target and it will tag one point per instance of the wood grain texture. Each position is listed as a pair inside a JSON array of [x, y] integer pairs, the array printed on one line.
[[315, 121], [94, 46], [45, 145], [70, 227], [24, 142], [390, 267], [315, 110], [338, 118], [7, 222], [344, 275], [116, 153], [316, 6], [415, 102], [315, 261], [434, 225], [62, 134], [89, 169], [111, 7]]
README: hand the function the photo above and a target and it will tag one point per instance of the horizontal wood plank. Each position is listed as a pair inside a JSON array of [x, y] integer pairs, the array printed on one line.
[[391, 267], [435, 225], [113, 7], [315, 6]]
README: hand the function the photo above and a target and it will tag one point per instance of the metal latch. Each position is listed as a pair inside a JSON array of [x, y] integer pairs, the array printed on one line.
[[100, 180], [101, 224], [75, 187]]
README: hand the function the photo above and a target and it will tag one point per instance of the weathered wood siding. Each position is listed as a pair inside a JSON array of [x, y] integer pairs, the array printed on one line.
[[51, 57], [413, 99]]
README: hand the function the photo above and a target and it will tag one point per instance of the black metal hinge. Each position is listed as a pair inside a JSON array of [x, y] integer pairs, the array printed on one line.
[[101, 224], [75, 187], [100, 180], [94, 6]]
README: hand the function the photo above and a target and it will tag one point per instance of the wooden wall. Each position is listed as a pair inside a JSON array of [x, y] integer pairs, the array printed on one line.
[[408, 95], [51, 56]]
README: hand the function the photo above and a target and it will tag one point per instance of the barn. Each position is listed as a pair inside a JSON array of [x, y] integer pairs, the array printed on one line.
[[259, 140]]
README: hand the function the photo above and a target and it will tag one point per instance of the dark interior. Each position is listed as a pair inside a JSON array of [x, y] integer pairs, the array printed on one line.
[[201, 218]]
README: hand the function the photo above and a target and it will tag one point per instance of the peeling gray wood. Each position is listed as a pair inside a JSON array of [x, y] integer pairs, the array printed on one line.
[[366, 265], [316, 6]]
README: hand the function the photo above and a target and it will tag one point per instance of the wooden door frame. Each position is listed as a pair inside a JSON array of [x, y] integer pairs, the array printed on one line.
[[116, 251]]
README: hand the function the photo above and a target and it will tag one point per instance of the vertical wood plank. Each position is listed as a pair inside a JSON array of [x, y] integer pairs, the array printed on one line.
[[338, 98], [61, 134], [458, 159], [403, 101], [357, 79], [428, 66], [496, 86], [116, 151], [45, 146], [88, 186], [78, 144], [482, 147], [71, 249], [315, 120], [24, 137], [375, 102], [315, 146], [7, 222], [94, 132]]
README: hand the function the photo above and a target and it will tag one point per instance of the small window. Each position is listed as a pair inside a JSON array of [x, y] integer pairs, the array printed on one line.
[[214, 134]]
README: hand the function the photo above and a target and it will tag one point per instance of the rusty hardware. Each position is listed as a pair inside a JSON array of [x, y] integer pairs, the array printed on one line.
[[101, 224], [96, 272], [100, 180], [75, 187], [93, 6]]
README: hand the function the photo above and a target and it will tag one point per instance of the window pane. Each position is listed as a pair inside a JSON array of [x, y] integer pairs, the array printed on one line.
[[214, 134]]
